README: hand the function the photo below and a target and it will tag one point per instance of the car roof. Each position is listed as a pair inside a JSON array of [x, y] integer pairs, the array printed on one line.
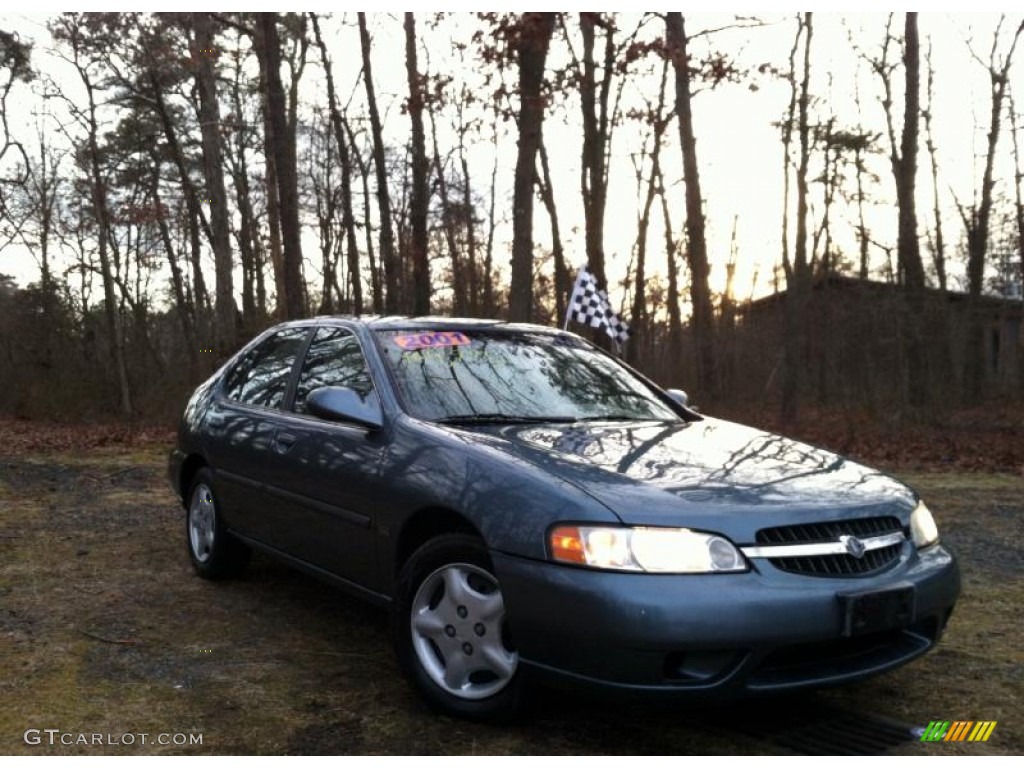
[[433, 323]]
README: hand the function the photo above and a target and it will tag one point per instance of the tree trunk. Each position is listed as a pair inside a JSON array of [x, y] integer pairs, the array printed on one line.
[[196, 218], [185, 318], [253, 300], [798, 280], [697, 254], [209, 121], [675, 320], [1018, 183], [348, 219], [110, 308], [531, 53], [908, 248], [387, 235], [284, 161], [939, 256], [489, 308], [419, 204], [467, 204], [296, 66], [862, 230], [638, 318], [596, 136], [376, 288], [460, 301], [270, 177], [326, 204], [563, 280]]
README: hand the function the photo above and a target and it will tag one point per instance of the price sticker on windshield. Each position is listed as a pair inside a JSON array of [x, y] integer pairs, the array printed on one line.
[[412, 341]]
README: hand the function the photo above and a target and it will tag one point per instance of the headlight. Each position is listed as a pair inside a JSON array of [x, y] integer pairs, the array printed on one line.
[[922, 526], [652, 550]]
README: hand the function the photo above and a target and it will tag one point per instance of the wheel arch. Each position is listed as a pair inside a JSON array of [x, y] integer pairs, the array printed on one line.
[[189, 467], [425, 524]]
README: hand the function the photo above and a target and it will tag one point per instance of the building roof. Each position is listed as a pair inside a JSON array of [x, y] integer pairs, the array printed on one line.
[[878, 288]]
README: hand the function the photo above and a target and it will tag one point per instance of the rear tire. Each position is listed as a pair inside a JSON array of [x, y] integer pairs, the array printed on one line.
[[449, 631], [215, 553]]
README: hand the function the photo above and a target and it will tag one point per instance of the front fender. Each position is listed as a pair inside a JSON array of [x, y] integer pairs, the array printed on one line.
[[509, 500]]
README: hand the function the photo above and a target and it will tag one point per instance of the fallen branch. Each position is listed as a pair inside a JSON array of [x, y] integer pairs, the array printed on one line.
[[113, 641]]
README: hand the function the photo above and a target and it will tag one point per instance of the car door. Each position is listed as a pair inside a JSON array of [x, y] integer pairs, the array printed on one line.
[[240, 426], [326, 474]]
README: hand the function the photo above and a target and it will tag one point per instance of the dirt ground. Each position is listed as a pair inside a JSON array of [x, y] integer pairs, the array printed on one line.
[[104, 629]]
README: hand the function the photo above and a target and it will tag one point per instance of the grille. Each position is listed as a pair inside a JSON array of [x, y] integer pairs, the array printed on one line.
[[834, 565]]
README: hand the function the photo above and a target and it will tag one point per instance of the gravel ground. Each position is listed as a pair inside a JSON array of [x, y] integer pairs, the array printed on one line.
[[104, 629]]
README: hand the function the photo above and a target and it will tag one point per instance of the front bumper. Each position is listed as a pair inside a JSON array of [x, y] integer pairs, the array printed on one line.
[[715, 634]]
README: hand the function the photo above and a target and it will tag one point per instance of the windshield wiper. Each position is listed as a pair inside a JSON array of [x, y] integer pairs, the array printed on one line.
[[616, 417], [502, 418]]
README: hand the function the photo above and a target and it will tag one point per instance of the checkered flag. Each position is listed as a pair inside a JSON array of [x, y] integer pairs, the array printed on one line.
[[589, 305]]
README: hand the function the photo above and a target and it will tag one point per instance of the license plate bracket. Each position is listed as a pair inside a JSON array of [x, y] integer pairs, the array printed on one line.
[[876, 610]]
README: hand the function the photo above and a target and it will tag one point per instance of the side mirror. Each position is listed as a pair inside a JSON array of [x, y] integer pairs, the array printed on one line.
[[682, 398], [344, 404], [679, 396]]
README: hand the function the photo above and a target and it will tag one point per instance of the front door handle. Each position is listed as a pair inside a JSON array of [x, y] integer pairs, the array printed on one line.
[[283, 441]]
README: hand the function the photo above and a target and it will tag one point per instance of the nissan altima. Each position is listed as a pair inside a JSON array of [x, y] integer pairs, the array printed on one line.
[[531, 509]]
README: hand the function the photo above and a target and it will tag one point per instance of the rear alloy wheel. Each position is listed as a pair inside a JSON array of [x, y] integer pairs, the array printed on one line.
[[451, 633], [214, 552]]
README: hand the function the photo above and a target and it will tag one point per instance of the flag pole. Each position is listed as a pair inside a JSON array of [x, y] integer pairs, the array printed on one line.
[[568, 306]]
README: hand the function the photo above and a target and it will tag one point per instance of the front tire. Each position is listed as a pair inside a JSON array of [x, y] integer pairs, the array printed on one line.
[[450, 631], [215, 553]]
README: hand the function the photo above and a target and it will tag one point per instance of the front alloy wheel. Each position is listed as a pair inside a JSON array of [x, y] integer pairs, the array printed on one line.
[[450, 630], [458, 619]]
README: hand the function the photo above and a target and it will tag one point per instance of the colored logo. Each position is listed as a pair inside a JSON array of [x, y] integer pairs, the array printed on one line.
[[958, 730]]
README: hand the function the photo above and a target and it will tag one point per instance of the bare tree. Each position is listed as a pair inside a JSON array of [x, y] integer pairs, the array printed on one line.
[[798, 274], [15, 57], [977, 218], [285, 163], [908, 247], [534, 37], [1018, 183], [420, 202], [599, 118], [546, 188], [205, 53], [659, 121], [348, 219], [85, 37], [185, 316], [250, 248], [703, 322], [387, 235], [939, 245]]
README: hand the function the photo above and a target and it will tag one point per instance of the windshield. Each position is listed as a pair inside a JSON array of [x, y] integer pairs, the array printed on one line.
[[501, 376]]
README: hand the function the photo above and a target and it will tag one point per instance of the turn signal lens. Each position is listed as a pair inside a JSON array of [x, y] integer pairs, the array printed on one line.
[[567, 545]]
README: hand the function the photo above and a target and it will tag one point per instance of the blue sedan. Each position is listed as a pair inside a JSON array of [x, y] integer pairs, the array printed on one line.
[[531, 509]]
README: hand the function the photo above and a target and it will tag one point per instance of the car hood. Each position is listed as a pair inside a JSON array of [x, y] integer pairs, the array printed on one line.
[[653, 473]]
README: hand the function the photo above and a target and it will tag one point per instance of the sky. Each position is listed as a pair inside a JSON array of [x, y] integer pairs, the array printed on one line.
[[738, 146]]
